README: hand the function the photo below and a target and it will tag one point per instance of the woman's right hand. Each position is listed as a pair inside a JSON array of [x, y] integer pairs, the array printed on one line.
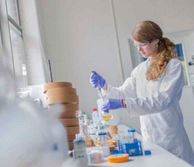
[[96, 80]]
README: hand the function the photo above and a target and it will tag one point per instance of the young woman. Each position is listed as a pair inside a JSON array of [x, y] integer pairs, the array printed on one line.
[[153, 90]]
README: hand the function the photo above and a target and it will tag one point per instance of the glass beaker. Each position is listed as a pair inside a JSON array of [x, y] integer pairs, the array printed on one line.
[[105, 116]]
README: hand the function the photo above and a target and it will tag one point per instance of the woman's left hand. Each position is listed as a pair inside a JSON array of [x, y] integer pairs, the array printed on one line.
[[112, 104]]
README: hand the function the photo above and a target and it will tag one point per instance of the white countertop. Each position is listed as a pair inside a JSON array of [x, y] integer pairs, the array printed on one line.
[[159, 158]]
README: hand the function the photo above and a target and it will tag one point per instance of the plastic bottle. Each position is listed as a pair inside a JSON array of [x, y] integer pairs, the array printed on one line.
[[95, 117], [80, 151], [102, 136], [131, 133]]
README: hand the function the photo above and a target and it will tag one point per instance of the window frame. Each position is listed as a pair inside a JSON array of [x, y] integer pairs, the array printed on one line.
[[6, 23]]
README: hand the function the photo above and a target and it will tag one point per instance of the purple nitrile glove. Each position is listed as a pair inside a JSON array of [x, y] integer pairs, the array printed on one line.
[[112, 104], [96, 80]]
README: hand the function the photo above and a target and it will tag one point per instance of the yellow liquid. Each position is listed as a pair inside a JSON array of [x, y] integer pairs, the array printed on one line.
[[107, 117]]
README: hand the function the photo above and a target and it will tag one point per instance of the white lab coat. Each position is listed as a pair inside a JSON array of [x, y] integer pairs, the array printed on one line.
[[157, 102]]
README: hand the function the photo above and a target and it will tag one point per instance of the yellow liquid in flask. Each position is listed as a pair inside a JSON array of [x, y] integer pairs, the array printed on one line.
[[107, 117]]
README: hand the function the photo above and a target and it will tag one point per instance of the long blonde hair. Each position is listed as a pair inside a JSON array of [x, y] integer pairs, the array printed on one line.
[[147, 31]]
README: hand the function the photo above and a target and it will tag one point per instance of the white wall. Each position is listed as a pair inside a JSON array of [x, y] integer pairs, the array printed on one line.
[[171, 15], [81, 36]]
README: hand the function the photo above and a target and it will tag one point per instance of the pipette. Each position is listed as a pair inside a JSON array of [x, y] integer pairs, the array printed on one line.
[[102, 96], [100, 93]]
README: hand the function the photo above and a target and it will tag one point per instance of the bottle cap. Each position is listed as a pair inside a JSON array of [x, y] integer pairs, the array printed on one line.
[[115, 151], [131, 130], [94, 110], [101, 133], [147, 152]]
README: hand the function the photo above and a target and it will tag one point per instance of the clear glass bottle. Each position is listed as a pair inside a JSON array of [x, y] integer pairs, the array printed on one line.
[[80, 151]]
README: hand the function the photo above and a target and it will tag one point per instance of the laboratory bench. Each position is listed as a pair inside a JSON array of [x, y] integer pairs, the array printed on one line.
[[158, 158]]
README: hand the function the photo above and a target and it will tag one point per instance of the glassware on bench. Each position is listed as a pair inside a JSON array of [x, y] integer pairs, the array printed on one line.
[[105, 116]]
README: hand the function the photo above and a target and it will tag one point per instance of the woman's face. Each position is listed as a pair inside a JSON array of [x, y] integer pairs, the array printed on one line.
[[147, 49]]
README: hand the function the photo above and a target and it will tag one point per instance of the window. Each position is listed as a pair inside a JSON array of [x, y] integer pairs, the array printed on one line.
[[0, 37], [181, 57], [22, 42], [13, 11], [15, 37]]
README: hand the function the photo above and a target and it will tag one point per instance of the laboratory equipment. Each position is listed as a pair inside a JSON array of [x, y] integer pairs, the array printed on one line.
[[103, 149], [105, 116], [95, 156], [147, 152], [133, 149], [118, 158], [131, 133], [103, 97], [95, 117], [130, 145], [80, 151], [102, 137]]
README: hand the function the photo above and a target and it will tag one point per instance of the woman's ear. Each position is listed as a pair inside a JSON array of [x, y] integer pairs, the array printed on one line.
[[156, 41]]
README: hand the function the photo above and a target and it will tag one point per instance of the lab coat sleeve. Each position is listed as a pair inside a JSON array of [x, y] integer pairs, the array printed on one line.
[[170, 91], [128, 89]]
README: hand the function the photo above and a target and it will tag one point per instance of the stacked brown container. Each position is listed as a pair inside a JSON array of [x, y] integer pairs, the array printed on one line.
[[63, 93]]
